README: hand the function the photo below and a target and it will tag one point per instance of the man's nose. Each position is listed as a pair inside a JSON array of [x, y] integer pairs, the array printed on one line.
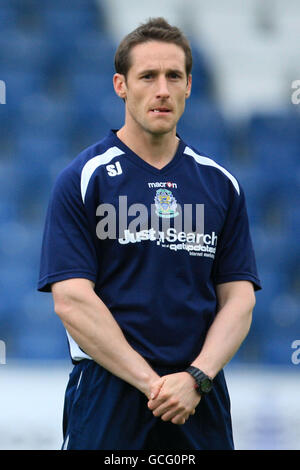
[[162, 88]]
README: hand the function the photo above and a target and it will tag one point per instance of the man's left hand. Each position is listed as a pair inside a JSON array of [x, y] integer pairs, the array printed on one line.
[[177, 398]]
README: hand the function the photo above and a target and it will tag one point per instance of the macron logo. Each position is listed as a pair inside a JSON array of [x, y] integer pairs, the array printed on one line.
[[162, 185]]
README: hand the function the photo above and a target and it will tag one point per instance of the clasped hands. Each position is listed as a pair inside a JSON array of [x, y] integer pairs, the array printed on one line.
[[173, 397]]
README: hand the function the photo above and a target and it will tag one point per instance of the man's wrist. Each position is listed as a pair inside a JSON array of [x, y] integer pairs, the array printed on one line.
[[208, 369], [203, 383], [147, 381]]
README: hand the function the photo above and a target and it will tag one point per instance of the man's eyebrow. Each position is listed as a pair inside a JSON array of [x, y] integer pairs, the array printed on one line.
[[147, 71], [156, 71]]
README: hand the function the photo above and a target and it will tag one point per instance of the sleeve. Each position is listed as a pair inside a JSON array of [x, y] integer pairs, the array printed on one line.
[[68, 246], [235, 258]]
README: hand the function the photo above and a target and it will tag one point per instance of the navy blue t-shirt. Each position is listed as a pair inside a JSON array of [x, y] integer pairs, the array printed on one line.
[[155, 243]]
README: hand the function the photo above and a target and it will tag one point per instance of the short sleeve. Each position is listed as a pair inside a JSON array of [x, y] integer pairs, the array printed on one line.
[[68, 246], [235, 258]]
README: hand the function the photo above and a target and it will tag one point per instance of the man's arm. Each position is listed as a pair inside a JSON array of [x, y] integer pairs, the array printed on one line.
[[92, 326], [232, 323]]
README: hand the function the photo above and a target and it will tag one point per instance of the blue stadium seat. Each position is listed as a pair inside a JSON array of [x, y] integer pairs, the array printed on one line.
[[280, 125], [37, 345], [94, 10], [112, 110], [281, 328], [8, 119], [7, 176], [20, 247], [89, 129], [202, 76], [39, 333], [278, 160], [40, 151], [264, 330], [88, 90], [273, 283], [204, 115], [17, 278], [203, 126], [293, 219], [274, 141], [271, 247], [268, 194], [293, 267], [39, 161], [25, 52], [60, 22], [28, 323], [93, 53], [8, 210], [42, 116], [251, 179], [19, 85], [8, 17], [64, 4]]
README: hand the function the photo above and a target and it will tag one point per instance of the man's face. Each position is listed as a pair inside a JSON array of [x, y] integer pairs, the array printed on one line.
[[156, 87]]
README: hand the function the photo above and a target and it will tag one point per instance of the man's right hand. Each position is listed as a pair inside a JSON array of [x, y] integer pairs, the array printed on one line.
[[176, 399]]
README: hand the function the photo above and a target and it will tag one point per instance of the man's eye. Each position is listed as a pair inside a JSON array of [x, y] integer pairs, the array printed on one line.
[[148, 76]]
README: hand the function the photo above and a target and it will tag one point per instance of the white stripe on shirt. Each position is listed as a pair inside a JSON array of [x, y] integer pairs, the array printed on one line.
[[209, 162], [93, 164]]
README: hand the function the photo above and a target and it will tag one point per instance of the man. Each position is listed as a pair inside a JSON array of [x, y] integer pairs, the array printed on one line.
[[143, 298]]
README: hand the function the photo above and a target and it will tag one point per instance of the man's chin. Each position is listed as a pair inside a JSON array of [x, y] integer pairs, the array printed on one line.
[[160, 130]]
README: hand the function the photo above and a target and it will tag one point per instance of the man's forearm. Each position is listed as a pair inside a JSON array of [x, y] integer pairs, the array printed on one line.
[[177, 397], [225, 336], [92, 326]]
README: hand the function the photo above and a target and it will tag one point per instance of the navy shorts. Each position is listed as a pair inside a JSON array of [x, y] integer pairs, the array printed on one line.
[[103, 412]]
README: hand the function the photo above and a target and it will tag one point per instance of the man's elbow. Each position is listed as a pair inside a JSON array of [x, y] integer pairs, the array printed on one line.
[[63, 305], [240, 294], [69, 294], [251, 301], [248, 312]]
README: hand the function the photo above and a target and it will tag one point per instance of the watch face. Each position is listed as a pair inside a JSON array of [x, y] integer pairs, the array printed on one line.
[[206, 385]]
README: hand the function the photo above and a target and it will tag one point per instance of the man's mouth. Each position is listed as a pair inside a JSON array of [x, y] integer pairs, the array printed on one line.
[[160, 110]]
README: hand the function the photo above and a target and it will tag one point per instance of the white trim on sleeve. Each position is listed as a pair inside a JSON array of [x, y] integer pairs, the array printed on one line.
[[209, 162], [93, 164]]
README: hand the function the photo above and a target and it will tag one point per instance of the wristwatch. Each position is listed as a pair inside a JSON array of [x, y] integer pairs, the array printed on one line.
[[203, 383]]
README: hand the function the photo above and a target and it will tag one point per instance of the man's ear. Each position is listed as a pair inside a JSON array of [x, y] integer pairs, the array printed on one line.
[[119, 83], [188, 87]]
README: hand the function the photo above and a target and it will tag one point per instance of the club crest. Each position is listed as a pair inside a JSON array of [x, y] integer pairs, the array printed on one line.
[[165, 203]]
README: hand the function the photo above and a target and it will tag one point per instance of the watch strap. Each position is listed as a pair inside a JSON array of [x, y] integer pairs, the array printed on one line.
[[199, 376]]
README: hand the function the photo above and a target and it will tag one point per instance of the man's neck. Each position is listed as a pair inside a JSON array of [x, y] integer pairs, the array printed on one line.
[[158, 151]]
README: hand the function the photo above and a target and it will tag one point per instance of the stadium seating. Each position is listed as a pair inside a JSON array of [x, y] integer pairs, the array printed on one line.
[[58, 65], [8, 17], [204, 127]]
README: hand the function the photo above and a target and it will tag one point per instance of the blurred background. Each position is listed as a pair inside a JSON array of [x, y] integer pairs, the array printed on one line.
[[56, 60]]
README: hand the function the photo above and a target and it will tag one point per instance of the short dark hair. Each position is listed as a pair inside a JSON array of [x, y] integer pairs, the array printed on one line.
[[156, 29]]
